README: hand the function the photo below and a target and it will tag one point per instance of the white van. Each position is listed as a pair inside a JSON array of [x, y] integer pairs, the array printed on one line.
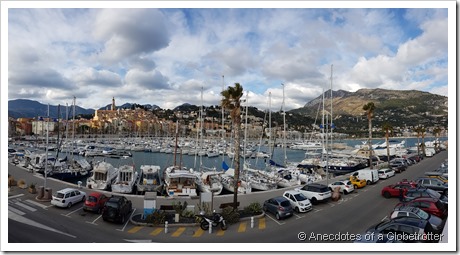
[[370, 175]]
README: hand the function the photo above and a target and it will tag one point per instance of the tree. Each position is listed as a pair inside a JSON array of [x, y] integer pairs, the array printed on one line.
[[369, 108], [231, 101], [388, 130], [436, 132]]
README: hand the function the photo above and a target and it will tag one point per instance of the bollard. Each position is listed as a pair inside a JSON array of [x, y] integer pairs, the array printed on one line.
[[210, 228], [79, 184], [166, 227], [252, 222]]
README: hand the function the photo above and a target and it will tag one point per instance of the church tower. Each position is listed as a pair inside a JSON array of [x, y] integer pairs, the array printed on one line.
[[113, 104]]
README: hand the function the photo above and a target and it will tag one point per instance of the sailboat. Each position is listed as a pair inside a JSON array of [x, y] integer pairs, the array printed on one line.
[[178, 180], [208, 179]]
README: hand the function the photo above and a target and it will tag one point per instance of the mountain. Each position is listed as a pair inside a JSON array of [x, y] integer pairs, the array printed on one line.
[[130, 106], [408, 102], [24, 108]]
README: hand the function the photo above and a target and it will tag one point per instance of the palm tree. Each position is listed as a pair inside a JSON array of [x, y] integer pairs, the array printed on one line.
[[422, 130], [388, 130], [231, 101], [436, 132], [369, 108]]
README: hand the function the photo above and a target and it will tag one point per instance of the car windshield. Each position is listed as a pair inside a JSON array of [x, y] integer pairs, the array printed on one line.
[[433, 193], [111, 204], [422, 214], [300, 197], [92, 199], [285, 203]]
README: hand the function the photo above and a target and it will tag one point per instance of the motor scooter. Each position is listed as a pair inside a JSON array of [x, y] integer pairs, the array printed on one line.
[[216, 219]]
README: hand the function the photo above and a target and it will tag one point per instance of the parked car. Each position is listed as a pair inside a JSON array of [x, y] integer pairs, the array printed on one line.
[[438, 175], [345, 186], [278, 206], [394, 189], [298, 201], [315, 192], [68, 197], [117, 209], [429, 205], [386, 173], [371, 176], [433, 183], [409, 211], [398, 166], [357, 183], [398, 230], [95, 202], [412, 194]]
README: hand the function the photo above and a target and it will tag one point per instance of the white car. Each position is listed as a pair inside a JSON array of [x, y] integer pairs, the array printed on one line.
[[345, 186], [298, 201], [386, 173], [67, 197]]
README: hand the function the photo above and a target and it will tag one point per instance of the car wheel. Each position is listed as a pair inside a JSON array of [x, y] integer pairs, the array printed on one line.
[[69, 205], [355, 186], [83, 199], [277, 216], [314, 201], [387, 194], [368, 182], [122, 219], [297, 210], [345, 192]]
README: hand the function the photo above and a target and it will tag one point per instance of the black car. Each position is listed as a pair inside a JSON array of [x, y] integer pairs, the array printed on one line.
[[401, 229], [412, 194], [433, 183], [117, 209], [415, 212]]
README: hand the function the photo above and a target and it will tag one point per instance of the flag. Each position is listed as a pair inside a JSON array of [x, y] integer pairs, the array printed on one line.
[[224, 166]]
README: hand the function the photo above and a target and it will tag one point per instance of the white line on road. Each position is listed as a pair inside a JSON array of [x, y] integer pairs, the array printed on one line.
[[16, 211], [123, 229], [92, 222], [15, 196], [19, 218], [384, 218], [25, 206], [279, 223], [36, 203], [68, 215]]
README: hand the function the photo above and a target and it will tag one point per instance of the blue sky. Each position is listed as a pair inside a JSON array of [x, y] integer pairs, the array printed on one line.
[[164, 56]]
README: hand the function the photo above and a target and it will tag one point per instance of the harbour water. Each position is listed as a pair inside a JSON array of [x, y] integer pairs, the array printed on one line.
[[191, 162]]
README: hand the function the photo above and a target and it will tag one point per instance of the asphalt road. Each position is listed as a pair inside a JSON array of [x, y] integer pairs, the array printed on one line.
[[353, 214]]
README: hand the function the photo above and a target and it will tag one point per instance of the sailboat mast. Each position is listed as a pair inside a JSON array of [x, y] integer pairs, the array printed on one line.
[[46, 148], [331, 110], [73, 126], [270, 122], [245, 129], [284, 129], [222, 128]]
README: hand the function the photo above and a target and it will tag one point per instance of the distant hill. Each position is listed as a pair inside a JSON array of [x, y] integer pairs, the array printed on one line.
[[130, 106], [351, 103], [24, 108]]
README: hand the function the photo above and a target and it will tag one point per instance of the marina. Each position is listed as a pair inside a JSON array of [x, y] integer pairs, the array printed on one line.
[[257, 173]]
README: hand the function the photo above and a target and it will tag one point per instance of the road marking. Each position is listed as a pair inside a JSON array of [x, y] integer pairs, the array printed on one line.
[[298, 217], [262, 223], [92, 222], [198, 232], [16, 211], [123, 229], [178, 232], [68, 215], [19, 218], [156, 231], [36, 203], [138, 241], [220, 232], [16, 196], [242, 227], [25, 206], [135, 229], [384, 218]]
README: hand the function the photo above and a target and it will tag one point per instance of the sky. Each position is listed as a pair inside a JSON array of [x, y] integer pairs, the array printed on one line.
[[165, 56]]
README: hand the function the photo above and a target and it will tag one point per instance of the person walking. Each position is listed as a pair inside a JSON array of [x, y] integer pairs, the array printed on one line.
[[401, 195]]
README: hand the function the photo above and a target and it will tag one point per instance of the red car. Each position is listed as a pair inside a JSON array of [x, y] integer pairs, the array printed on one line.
[[95, 202], [429, 205], [393, 190]]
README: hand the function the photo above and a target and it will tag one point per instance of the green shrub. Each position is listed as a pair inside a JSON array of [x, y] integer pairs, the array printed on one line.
[[230, 215], [156, 218], [253, 208]]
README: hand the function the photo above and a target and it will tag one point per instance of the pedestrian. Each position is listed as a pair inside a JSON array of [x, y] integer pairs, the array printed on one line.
[[401, 194]]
